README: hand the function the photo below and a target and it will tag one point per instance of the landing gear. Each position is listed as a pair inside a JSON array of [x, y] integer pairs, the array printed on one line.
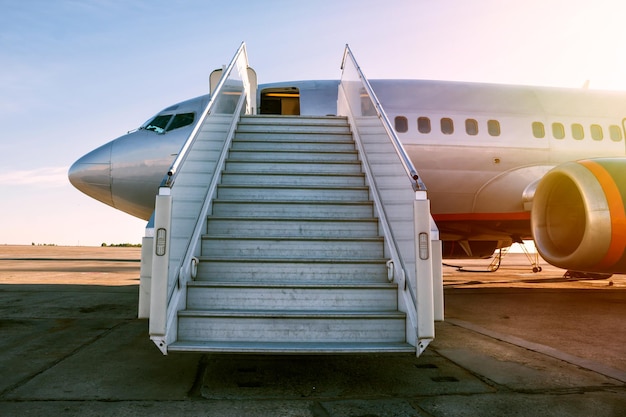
[[497, 259], [497, 254], [533, 258]]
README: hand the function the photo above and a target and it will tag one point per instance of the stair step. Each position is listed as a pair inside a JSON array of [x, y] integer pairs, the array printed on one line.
[[279, 155], [301, 146], [294, 209], [252, 296], [292, 347], [293, 166], [318, 271], [293, 247], [273, 119], [303, 178], [291, 193], [291, 136], [291, 326], [291, 129], [242, 226]]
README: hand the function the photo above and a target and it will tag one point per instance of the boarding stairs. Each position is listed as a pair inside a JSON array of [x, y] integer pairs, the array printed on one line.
[[292, 260], [273, 235]]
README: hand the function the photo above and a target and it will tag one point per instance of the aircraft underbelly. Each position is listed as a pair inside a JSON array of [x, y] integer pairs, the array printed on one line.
[[464, 180]]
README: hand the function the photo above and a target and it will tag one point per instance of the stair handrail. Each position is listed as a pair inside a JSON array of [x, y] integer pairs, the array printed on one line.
[[170, 177], [396, 265], [357, 101], [418, 184], [171, 294]]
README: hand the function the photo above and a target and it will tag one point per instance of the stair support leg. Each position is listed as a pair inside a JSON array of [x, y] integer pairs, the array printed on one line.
[[160, 271], [145, 277], [437, 253], [423, 272]]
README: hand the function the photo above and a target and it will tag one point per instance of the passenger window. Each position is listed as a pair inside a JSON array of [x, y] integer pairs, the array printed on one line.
[[471, 127], [493, 127], [596, 132], [158, 123], [539, 131], [615, 132], [402, 124], [423, 124], [558, 130], [181, 120], [578, 132], [447, 126]]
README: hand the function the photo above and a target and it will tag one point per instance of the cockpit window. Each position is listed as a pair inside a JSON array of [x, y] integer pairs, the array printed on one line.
[[181, 120], [165, 122], [159, 123]]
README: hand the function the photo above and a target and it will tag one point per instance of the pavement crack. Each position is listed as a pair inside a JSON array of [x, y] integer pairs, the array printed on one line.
[[55, 362]]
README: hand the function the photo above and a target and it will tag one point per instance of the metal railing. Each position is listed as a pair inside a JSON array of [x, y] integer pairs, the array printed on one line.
[[223, 100], [169, 279], [398, 199], [371, 95]]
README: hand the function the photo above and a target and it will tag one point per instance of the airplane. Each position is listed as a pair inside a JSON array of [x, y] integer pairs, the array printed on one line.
[[502, 163]]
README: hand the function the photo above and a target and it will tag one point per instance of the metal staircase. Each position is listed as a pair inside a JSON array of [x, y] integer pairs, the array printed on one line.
[[292, 260], [291, 234]]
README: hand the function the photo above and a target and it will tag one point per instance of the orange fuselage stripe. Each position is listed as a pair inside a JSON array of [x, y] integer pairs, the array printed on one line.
[[447, 217], [616, 210]]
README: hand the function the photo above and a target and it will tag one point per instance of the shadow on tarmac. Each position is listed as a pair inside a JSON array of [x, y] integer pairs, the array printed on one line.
[[78, 350]]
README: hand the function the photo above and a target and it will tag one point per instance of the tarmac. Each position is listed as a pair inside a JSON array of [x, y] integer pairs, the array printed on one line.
[[514, 343]]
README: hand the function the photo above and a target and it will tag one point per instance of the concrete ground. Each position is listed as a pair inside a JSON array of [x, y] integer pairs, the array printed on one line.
[[514, 343]]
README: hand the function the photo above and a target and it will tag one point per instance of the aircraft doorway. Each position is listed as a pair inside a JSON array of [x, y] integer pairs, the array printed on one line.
[[281, 100]]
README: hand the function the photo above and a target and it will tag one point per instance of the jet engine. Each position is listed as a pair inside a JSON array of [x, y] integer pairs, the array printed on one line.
[[578, 218]]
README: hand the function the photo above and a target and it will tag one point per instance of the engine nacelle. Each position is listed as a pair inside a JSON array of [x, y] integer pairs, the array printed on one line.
[[578, 218]]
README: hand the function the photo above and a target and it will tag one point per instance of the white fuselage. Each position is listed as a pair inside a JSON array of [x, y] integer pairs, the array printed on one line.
[[479, 148]]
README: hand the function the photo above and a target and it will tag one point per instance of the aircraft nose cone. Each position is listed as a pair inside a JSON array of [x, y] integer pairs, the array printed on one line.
[[91, 174]]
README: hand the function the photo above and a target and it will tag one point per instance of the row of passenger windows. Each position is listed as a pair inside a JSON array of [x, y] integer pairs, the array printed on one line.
[[446, 126], [578, 131]]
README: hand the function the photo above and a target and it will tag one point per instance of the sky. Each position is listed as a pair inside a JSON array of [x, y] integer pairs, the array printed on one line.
[[75, 74]]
